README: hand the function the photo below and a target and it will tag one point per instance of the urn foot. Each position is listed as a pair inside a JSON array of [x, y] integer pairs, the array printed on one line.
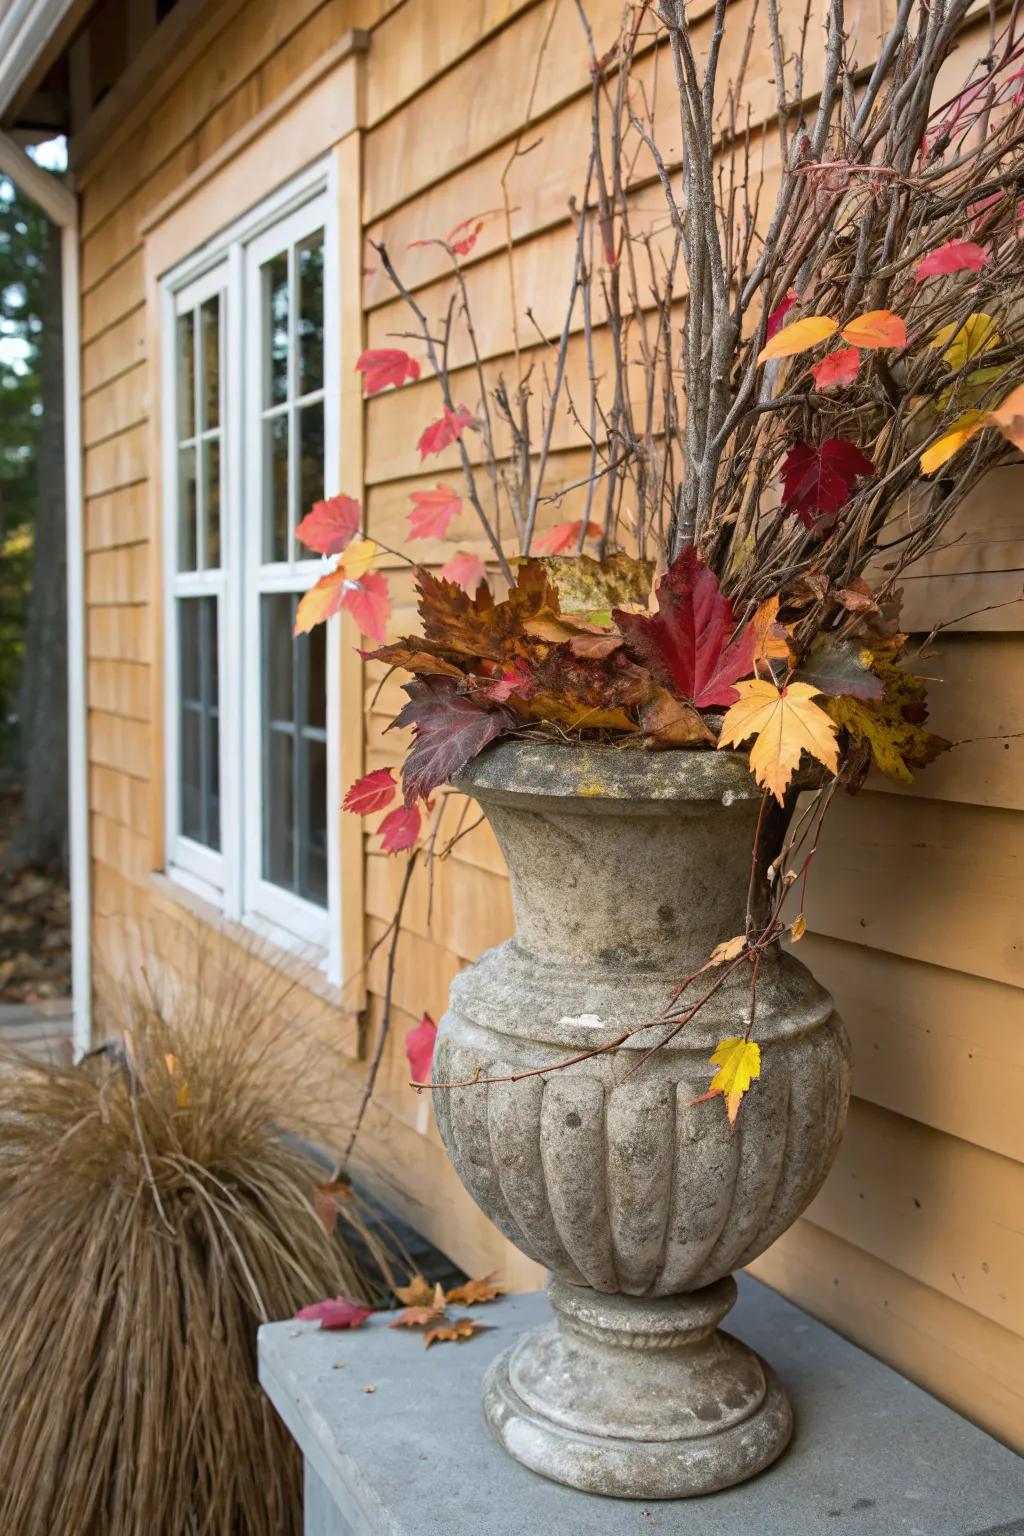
[[636, 1398]]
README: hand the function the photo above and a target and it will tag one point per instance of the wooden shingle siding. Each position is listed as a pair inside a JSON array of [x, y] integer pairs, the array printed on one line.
[[915, 901]]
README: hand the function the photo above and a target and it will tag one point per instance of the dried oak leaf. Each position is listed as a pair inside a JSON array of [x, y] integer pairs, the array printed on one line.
[[477, 626], [453, 1333], [690, 642], [581, 693], [422, 1313], [449, 729], [668, 722]]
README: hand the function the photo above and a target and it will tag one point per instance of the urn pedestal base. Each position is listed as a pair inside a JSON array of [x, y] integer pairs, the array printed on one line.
[[637, 1398]]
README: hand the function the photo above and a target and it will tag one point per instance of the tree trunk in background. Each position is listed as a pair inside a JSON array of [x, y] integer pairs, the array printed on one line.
[[40, 835]]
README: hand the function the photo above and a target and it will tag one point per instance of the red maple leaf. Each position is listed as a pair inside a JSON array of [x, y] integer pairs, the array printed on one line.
[[449, 729], [688, 640], [400, 829], [515, 679], [384, 366], [777, 318], [566, 536], [954, 256], [371, 793], [369, 603], [335, 1312], [419, 1048], [465, 570], [432, 512], [838, 368], [330, 525], [445, 430], [818, 479]]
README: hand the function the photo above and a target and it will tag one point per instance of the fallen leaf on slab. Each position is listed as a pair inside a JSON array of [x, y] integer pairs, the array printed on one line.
[[418, 1293], [336, 1312], [475, 1291], [453, 1333]]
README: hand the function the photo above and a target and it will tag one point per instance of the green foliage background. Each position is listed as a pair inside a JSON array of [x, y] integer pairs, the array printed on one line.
[[22, 245]]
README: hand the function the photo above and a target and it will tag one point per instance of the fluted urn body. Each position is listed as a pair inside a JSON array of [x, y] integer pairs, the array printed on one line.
[[627, 869]]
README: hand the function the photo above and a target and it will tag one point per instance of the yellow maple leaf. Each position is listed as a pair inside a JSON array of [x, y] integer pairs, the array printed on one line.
[[961, 344], [963, 429], [798, 337], [785, 724], [738, 1062], [323, 600]]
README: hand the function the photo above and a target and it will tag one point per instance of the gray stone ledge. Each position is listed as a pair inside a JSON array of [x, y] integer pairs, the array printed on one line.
[[873, 1455]]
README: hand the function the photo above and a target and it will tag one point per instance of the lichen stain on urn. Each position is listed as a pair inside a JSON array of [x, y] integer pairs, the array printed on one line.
[[607, 1171]]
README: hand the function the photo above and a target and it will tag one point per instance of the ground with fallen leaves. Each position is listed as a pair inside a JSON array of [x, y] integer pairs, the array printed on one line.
[[35, 916]]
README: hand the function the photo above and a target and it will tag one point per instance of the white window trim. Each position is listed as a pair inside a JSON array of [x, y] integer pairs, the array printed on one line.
[[231, 879]]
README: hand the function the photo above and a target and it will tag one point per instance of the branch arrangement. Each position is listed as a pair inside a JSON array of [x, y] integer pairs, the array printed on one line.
[[792, 344]]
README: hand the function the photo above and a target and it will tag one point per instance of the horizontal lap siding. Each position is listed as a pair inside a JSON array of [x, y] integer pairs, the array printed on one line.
[[914, 900]]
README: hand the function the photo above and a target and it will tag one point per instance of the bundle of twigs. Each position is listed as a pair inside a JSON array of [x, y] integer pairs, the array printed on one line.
[[151, 1217]]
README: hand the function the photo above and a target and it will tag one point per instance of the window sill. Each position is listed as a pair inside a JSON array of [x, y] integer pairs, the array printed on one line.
[[259, 938]]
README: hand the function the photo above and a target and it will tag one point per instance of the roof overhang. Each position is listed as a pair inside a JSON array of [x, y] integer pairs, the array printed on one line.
[[26, 27]]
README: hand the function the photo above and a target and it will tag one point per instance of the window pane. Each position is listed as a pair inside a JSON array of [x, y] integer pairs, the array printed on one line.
[[311, 457], [294, 752], [211, 501], [275, 487], [311, 314], [186, 377], [275, 280], [199, 722], [210, 394], [186, 509]]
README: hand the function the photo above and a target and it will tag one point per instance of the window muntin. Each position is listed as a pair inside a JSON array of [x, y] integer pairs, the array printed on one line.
[[196, 493]]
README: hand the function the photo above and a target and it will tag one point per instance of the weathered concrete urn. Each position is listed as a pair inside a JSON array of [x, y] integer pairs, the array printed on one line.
[[627, 868]]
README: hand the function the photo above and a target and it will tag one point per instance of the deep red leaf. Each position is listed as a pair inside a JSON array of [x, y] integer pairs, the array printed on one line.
[[384, 366], [818, 479], [419, 1048], [515, 679], [448, 730], [465, 570], [330, 525], [954, 256], [449, 426], [566, 536], [369, 603], [838, 368], [400, 829], [688, 639], [371, 793], [432, 512], [335, 1312], [777, 318]]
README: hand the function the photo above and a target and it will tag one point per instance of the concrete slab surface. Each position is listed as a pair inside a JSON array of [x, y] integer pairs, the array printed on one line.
[[873, 1455]]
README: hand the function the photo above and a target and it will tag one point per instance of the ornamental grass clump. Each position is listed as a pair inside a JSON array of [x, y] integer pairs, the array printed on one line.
[[152, 1215]]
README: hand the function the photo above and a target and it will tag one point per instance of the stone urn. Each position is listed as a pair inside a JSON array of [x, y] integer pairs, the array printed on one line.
[[627, 868]]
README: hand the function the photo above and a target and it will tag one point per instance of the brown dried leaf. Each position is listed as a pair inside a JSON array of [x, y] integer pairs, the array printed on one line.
[[475, 1291], [454, 1333], [328, 1200], [418, 1293], [671, 723]]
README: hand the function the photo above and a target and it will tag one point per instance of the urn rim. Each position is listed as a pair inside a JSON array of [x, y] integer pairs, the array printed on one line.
[[589, 772]]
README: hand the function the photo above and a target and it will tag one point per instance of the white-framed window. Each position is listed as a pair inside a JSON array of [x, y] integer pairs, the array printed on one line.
[[249, 422]]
